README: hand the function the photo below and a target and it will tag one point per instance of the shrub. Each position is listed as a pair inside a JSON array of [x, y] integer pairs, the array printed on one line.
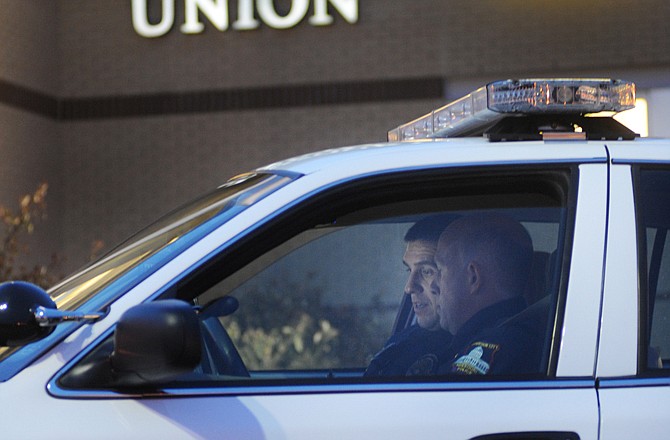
[[13, 250]]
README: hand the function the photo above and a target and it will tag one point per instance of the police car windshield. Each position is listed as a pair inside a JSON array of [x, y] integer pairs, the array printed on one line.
[[103, 281], [230, 198]]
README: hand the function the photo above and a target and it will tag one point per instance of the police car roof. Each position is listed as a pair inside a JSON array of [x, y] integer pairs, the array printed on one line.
[[466, 131]]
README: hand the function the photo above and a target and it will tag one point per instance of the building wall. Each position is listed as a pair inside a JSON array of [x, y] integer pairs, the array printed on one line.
[[125, 127], [28, 53], [29, 146], [393, 39], [659, 114]]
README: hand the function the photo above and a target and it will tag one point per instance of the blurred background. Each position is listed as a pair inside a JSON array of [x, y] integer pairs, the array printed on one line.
[[128, 108]]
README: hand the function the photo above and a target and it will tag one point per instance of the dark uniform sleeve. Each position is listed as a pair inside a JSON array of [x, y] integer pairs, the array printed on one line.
[[412, 354], [382, 363]]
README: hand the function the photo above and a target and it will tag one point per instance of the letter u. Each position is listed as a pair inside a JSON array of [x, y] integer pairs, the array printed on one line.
[[141, 19]]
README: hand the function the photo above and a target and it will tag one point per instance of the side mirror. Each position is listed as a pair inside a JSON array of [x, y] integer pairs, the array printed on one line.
[[19, 302], [28, 314], [153, 343]]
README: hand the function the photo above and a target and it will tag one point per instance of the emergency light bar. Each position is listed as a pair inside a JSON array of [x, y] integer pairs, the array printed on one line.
[[488, 104]]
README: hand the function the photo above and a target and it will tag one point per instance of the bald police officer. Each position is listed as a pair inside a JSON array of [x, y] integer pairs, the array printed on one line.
[[483, 263]]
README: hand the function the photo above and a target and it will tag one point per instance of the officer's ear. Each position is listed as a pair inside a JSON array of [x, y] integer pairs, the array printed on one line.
[[473, 276]]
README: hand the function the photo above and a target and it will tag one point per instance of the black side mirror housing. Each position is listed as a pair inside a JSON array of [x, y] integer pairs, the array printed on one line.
[[153, 344], [19, 301]]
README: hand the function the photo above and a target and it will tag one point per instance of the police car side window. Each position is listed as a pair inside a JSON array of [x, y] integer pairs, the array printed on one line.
[[355, 294], [653, 211]]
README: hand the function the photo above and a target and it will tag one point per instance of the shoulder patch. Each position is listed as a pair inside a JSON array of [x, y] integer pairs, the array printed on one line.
[[477, 359], [424, 366]]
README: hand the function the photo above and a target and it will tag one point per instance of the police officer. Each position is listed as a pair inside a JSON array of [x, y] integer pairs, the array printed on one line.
[[425, 338], [484, 262]]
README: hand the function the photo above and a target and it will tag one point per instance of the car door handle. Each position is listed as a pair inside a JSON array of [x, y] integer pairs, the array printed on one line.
[[535, 435]]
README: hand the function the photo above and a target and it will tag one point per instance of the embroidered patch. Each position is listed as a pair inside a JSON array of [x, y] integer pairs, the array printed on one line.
[[424, 366], [478, 359]]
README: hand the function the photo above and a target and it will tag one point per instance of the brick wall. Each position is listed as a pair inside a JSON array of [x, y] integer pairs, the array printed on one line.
[[114, 172], [29, 146], [103, 55]]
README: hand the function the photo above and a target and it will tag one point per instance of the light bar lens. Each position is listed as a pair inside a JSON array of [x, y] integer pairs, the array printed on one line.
[[560, 96], [518, 97]]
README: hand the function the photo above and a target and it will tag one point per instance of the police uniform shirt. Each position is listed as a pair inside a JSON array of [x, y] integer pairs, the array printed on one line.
[[403, 349], [492, 343]]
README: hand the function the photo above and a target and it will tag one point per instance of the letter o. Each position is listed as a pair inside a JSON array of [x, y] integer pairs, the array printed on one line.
[[268, 14]]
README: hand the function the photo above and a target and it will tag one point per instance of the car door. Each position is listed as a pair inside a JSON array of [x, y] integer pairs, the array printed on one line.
[[320, 286], [635, 347]]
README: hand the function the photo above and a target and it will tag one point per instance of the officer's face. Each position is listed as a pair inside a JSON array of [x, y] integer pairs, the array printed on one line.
[[419, 259]]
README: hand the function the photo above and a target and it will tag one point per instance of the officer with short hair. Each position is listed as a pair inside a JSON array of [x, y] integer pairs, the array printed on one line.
[[425, 338]]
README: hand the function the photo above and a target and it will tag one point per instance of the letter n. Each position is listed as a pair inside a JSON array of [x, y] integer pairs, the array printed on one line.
[[215, 10], [347, 8]]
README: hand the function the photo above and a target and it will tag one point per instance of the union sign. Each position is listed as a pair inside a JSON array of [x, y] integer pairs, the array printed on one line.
[[217, 13]]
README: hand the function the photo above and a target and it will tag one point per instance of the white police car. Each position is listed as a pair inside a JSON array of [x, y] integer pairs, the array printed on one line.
[[254, 311]]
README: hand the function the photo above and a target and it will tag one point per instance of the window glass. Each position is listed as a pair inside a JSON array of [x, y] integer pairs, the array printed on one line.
[[231, 197], [660, 341], [350, 293], [653, 205]]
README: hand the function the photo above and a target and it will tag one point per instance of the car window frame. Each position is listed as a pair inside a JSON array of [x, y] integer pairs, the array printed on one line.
[[239, 253]]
